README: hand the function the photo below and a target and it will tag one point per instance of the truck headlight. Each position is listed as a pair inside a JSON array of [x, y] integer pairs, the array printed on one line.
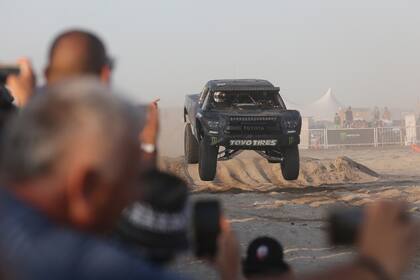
[[212, 124], [290, 124]]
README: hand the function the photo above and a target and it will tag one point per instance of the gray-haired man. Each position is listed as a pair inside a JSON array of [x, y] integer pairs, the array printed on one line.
[[69, 162]]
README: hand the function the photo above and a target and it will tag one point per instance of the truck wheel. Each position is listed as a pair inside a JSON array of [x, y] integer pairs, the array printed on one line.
[[290, 164], [190, 145], [207, 161]]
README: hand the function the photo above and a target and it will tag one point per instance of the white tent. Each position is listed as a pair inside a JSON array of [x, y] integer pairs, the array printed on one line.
[[322, 109]]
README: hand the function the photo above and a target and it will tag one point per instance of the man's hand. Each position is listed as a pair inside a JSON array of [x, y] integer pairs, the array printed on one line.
[[22, 86], [387, 238], [150, 132], [228, 258]]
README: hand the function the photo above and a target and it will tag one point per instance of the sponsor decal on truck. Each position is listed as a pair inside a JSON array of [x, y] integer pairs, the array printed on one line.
[[271, 142]]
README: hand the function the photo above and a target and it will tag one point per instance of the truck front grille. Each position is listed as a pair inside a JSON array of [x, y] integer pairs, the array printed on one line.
[[251, 119], [252, 125]]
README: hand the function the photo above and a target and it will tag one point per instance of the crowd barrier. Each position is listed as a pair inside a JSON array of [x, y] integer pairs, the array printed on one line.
[[376, 137]]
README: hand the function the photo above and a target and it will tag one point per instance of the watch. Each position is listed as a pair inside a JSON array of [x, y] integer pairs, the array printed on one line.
[[148, 148]]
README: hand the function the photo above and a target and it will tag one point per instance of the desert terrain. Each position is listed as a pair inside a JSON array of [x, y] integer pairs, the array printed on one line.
[[259, 202]]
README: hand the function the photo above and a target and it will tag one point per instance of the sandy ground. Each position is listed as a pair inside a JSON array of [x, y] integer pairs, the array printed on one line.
[[251, 172], [294, 213]]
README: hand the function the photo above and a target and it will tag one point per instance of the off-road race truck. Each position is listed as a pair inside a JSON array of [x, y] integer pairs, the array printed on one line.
[[230, 116]]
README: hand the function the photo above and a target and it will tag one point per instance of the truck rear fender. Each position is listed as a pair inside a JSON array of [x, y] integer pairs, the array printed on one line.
[[199, 129], [185, 115]]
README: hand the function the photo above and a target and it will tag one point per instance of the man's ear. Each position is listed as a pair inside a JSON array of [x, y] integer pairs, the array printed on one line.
[[105, 74], [81, 188], [47, 73]]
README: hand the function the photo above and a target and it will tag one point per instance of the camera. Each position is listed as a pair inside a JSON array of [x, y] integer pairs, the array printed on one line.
[[6, 99], [345, 224], [6, 71], [161, 223]]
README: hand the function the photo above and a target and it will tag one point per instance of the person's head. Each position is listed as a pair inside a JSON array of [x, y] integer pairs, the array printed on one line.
[[156, 224], [73, 153], [77, 53], [265, 258]]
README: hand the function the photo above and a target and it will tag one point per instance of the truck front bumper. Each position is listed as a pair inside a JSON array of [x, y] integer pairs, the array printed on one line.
[[254, 142]]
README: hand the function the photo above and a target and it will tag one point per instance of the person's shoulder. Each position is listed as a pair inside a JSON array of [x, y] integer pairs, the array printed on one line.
[[40, 249], [104, 259], [68, 254]]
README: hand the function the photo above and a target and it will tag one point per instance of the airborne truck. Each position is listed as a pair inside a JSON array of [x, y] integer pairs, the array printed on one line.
[[230, 116]]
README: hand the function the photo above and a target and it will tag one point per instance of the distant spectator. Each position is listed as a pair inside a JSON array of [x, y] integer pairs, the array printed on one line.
[[376, 114], [337, 120], [349, 117], [387, 114], [376, 117], [265, 259]]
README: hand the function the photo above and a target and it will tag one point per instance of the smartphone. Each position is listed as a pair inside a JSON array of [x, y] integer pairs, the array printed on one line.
[[205, 227]]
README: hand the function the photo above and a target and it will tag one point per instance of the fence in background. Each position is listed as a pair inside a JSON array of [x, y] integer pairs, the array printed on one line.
[[376, 137]]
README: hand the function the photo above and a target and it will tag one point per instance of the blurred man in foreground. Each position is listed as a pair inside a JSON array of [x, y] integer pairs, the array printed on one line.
[[69, 165], [79, 53]]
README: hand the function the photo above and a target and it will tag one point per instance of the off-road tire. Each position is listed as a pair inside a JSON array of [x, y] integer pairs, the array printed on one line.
[[290, 164], [207, 160], [190, 145]]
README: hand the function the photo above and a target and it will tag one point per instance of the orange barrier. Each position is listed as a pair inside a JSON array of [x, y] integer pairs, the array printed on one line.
[[415, 148]]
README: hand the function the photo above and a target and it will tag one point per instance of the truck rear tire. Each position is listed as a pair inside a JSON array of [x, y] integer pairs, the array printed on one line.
[[290, 164], [207, 160], [190, 145]]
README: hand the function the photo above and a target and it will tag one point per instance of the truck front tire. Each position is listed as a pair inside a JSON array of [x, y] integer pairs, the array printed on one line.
[[190, 145], [290, 164], [207, 162]]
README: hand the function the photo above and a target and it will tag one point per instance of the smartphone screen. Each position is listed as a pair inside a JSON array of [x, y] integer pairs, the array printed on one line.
[[206, 227]]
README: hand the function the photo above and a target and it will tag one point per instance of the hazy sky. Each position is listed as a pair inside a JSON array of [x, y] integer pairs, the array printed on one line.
[[367, 51]]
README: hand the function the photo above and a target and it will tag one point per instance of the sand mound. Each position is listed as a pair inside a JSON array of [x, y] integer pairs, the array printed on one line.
[[250, 172]]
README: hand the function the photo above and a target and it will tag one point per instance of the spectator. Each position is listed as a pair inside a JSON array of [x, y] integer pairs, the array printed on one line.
[[349, 117], [376, 117], [387, 114], [76, 53], [156, 225], [264, 259], [386, 244], [337, 120], [68, 164], [376, 114]]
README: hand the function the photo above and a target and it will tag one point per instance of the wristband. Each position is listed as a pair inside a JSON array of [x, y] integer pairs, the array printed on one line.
[[148, 148], [374, 267]]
